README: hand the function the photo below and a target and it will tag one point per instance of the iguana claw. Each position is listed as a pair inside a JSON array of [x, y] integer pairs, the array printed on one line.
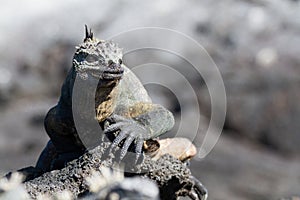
[[200, 190], [193, 189], [129, 131]]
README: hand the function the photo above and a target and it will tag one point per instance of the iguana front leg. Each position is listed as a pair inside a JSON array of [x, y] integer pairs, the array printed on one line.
[[141, 122]]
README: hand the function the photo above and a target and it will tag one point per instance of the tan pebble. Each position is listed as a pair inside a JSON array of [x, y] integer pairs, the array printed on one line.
[[180, 148]]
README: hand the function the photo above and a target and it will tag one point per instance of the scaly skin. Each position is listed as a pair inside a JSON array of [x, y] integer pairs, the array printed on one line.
[[123, 108]]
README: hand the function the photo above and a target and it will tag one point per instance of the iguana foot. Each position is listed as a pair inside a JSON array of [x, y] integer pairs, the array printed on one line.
[[194, 189], [128, 130]]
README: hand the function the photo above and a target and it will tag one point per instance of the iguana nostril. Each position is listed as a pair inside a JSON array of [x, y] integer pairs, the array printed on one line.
[[120, 61], [110, 62], [115, 66]]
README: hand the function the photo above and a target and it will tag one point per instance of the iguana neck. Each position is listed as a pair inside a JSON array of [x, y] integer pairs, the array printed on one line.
[[105, 99]]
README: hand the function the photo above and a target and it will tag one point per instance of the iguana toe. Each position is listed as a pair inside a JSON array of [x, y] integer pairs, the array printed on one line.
[[126, 146], [129, 130], [138, 148]]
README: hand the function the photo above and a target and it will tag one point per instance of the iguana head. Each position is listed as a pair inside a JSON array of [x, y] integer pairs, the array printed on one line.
[[98, 59]]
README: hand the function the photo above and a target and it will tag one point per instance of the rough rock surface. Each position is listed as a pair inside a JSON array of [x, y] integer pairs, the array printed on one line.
[[172, 176]]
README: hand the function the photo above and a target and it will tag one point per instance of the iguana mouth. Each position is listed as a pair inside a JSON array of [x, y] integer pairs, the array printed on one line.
[[109, 75], [113, 71]]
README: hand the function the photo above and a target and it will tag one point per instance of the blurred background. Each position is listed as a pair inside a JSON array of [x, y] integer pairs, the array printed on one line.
[[255, 44]]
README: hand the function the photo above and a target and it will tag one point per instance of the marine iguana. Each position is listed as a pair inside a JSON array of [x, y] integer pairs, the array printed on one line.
[[123, 108]]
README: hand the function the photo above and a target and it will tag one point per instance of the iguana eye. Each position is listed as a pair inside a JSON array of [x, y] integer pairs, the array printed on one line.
[[91, 58], [120, 61]]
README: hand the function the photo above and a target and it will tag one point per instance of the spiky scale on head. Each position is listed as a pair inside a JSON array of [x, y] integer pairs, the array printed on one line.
[[97, 56], [88, 34]]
